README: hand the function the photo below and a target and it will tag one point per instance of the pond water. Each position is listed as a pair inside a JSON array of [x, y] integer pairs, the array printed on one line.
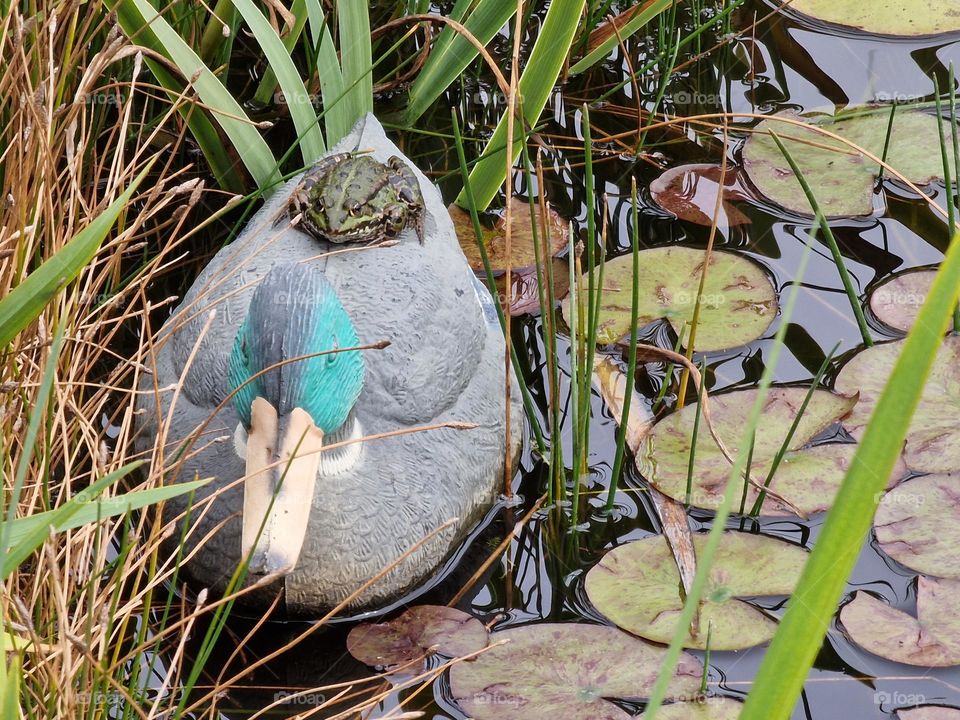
[[785, 63]]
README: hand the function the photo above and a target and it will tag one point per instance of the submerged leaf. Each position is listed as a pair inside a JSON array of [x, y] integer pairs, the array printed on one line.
[[931, 639], [885, 17], [897, 301], [690, 193], [412, 636], [637, 586], [933, 440], [525, 296], [737, 305], [807, 477], [843, 179], [918, 524], [564, 672]]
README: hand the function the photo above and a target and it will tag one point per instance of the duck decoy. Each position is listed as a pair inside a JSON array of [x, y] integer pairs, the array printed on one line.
[[322, 475]]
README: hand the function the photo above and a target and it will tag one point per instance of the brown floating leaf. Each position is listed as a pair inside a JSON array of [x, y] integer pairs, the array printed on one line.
[[931, 639], [690, 193], [564, 672], [410, 636], [524, 297]]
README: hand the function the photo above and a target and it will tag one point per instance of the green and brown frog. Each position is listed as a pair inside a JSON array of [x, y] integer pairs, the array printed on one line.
[[352, 197]]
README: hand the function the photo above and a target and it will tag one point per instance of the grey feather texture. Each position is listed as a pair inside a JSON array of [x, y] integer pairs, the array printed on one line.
[[444, 363]]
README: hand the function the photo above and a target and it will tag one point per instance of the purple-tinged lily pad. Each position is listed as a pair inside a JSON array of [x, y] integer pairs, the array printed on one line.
[[918, 524], [737, 305], [932, 639], [842, 178], [711, 708], [897, 302], [637, 586], [565, 672], [929, 712], [905, 18], [412, 635], [807, 477], [933, 439]]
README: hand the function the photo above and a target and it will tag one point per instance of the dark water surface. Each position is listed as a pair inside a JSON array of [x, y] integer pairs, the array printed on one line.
[[789, 63]]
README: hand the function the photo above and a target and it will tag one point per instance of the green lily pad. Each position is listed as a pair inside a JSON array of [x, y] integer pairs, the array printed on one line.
[[842, 178], [637, 586], [897, 301], [929, 712], [933, 439], [565, 672], [712, 708], [885, 17], [807, 477], [739, 301], [932, 639], [414, 634], [918, 524]]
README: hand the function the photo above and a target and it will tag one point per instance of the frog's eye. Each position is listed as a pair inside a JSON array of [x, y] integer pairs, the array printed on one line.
[[354, 209]]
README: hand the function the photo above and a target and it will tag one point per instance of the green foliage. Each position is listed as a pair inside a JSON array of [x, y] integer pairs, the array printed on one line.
[[26, 301]]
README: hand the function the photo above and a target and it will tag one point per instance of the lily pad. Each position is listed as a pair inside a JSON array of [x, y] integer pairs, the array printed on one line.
[[929, 712], [712, 708], [690, 192], [885, 17], [918, 524], [738, 303], [524, 297], [933, 439], [932, 639], [807, 478], [637, 586], [414, 634], [897, 301], [564, 671], [842, 178]]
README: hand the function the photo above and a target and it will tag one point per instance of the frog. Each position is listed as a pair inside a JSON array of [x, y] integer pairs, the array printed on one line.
[[353, 198]]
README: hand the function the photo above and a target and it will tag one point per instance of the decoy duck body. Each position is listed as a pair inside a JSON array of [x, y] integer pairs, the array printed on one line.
[[255, 384]]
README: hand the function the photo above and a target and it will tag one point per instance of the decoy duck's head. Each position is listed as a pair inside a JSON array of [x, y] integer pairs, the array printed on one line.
[[295, 313], [294, 381]]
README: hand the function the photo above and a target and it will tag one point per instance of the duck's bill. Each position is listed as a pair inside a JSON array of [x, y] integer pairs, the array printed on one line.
[[278, 491]]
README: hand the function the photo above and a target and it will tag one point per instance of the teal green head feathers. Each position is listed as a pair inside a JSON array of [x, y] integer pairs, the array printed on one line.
[[294, 313]]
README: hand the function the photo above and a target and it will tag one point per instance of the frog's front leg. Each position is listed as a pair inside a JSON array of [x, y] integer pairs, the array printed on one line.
[[407, 186], [300, 197]]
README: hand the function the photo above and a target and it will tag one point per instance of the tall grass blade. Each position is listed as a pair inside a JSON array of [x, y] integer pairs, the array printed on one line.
[[452, 52], [336, 112], [810, 610], [24, 303], [831, 243], [547, 57], [142, 23], [92, 510], [356, 57], [651, 9]]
